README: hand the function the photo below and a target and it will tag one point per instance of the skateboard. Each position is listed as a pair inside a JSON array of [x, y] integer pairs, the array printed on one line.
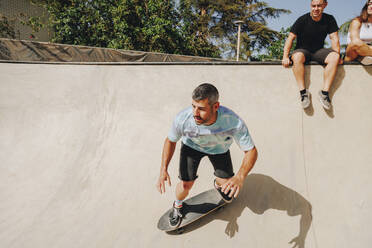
[[194, 208]]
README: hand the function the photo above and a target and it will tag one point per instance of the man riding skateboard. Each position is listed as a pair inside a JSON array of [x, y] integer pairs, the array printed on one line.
[[206, 129]]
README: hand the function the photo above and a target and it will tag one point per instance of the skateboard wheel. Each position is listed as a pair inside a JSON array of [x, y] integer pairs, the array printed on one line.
[[180, 230]]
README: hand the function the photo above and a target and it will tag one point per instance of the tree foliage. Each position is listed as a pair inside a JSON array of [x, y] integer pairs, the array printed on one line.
[[191, 27], [344, 28], [7, 29], [275, 49], [214, 21], [195, 30], [127, 24]]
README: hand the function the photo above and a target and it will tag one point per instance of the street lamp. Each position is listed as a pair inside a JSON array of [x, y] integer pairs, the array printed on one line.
[[239, 23]]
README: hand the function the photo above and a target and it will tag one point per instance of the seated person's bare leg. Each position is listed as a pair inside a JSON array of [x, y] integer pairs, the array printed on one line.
[[298, 69], [359, 48], [330, 70], [351, 54], [364, 50]]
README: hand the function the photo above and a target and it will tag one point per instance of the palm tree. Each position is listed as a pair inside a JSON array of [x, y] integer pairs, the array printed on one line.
[[344, 29]]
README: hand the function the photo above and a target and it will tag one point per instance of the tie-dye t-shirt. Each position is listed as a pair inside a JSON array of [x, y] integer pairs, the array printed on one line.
[[213, 139]]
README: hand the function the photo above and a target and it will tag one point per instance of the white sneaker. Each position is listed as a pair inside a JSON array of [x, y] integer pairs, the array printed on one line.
[[305, 100], [367, 60], [325, 101]]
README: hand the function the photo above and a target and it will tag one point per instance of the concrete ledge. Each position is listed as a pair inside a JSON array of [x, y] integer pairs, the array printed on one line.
[[164, 63]]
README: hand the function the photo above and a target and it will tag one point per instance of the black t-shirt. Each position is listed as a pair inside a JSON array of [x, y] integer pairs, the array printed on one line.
[[311, 34]]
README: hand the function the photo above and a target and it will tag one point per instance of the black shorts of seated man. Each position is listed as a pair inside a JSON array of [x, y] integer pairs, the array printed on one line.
[[206, 130], [310, 32]]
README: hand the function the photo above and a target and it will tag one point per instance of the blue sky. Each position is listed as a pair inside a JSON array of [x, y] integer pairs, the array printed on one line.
[[342, 10]]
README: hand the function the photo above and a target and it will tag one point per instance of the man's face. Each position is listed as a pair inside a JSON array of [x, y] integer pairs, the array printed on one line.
[[204, 114], [317, 7]]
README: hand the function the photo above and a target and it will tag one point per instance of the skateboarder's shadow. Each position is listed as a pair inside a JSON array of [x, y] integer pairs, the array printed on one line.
[[261, 193]]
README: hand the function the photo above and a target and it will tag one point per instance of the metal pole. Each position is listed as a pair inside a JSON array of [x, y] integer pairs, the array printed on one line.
[[239, 23], [238, 45]]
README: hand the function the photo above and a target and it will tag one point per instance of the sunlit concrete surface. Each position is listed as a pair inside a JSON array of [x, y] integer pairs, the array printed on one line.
[[80, 149]]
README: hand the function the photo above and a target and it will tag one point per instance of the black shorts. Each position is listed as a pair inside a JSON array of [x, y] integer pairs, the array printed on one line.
[[190, 160], [318, 56]]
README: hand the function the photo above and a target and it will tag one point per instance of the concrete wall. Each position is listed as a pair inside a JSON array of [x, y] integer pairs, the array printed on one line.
[[81, 145]]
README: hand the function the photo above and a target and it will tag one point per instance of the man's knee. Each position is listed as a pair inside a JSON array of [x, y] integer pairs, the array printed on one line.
[[187, 185], [332, 58], [298, 58]]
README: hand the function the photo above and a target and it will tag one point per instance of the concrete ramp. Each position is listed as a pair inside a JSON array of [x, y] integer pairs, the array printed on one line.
[[80, 150]]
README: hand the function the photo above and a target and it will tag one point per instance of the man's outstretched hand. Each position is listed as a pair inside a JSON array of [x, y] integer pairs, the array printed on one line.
[[234, 185], [164, 176]]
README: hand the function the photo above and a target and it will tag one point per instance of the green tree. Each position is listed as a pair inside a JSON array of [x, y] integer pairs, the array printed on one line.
[[214, 21], [202, 28], [344, 29], [7, 29], [125, 24], [195, 30], [274, 50]]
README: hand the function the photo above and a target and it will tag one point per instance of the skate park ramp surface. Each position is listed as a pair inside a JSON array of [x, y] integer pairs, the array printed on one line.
[[81, 144]]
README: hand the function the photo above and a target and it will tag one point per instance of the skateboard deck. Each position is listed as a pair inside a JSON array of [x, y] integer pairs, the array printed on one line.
[[194, 208]]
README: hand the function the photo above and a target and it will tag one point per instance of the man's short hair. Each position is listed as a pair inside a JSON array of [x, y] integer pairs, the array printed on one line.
[[324, 1], [206, 91]]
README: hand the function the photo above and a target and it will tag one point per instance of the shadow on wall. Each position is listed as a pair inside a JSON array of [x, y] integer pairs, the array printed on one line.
[[261, 193], [335, 86]]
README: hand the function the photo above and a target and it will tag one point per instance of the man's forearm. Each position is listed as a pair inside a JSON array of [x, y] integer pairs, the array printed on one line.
[[288, 44], [335, 42], [287, 48], [336, 46], [249, 160], [168, 151]]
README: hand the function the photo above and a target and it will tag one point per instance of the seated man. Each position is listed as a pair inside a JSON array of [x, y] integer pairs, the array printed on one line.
[[311, 30], [360, 36]]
